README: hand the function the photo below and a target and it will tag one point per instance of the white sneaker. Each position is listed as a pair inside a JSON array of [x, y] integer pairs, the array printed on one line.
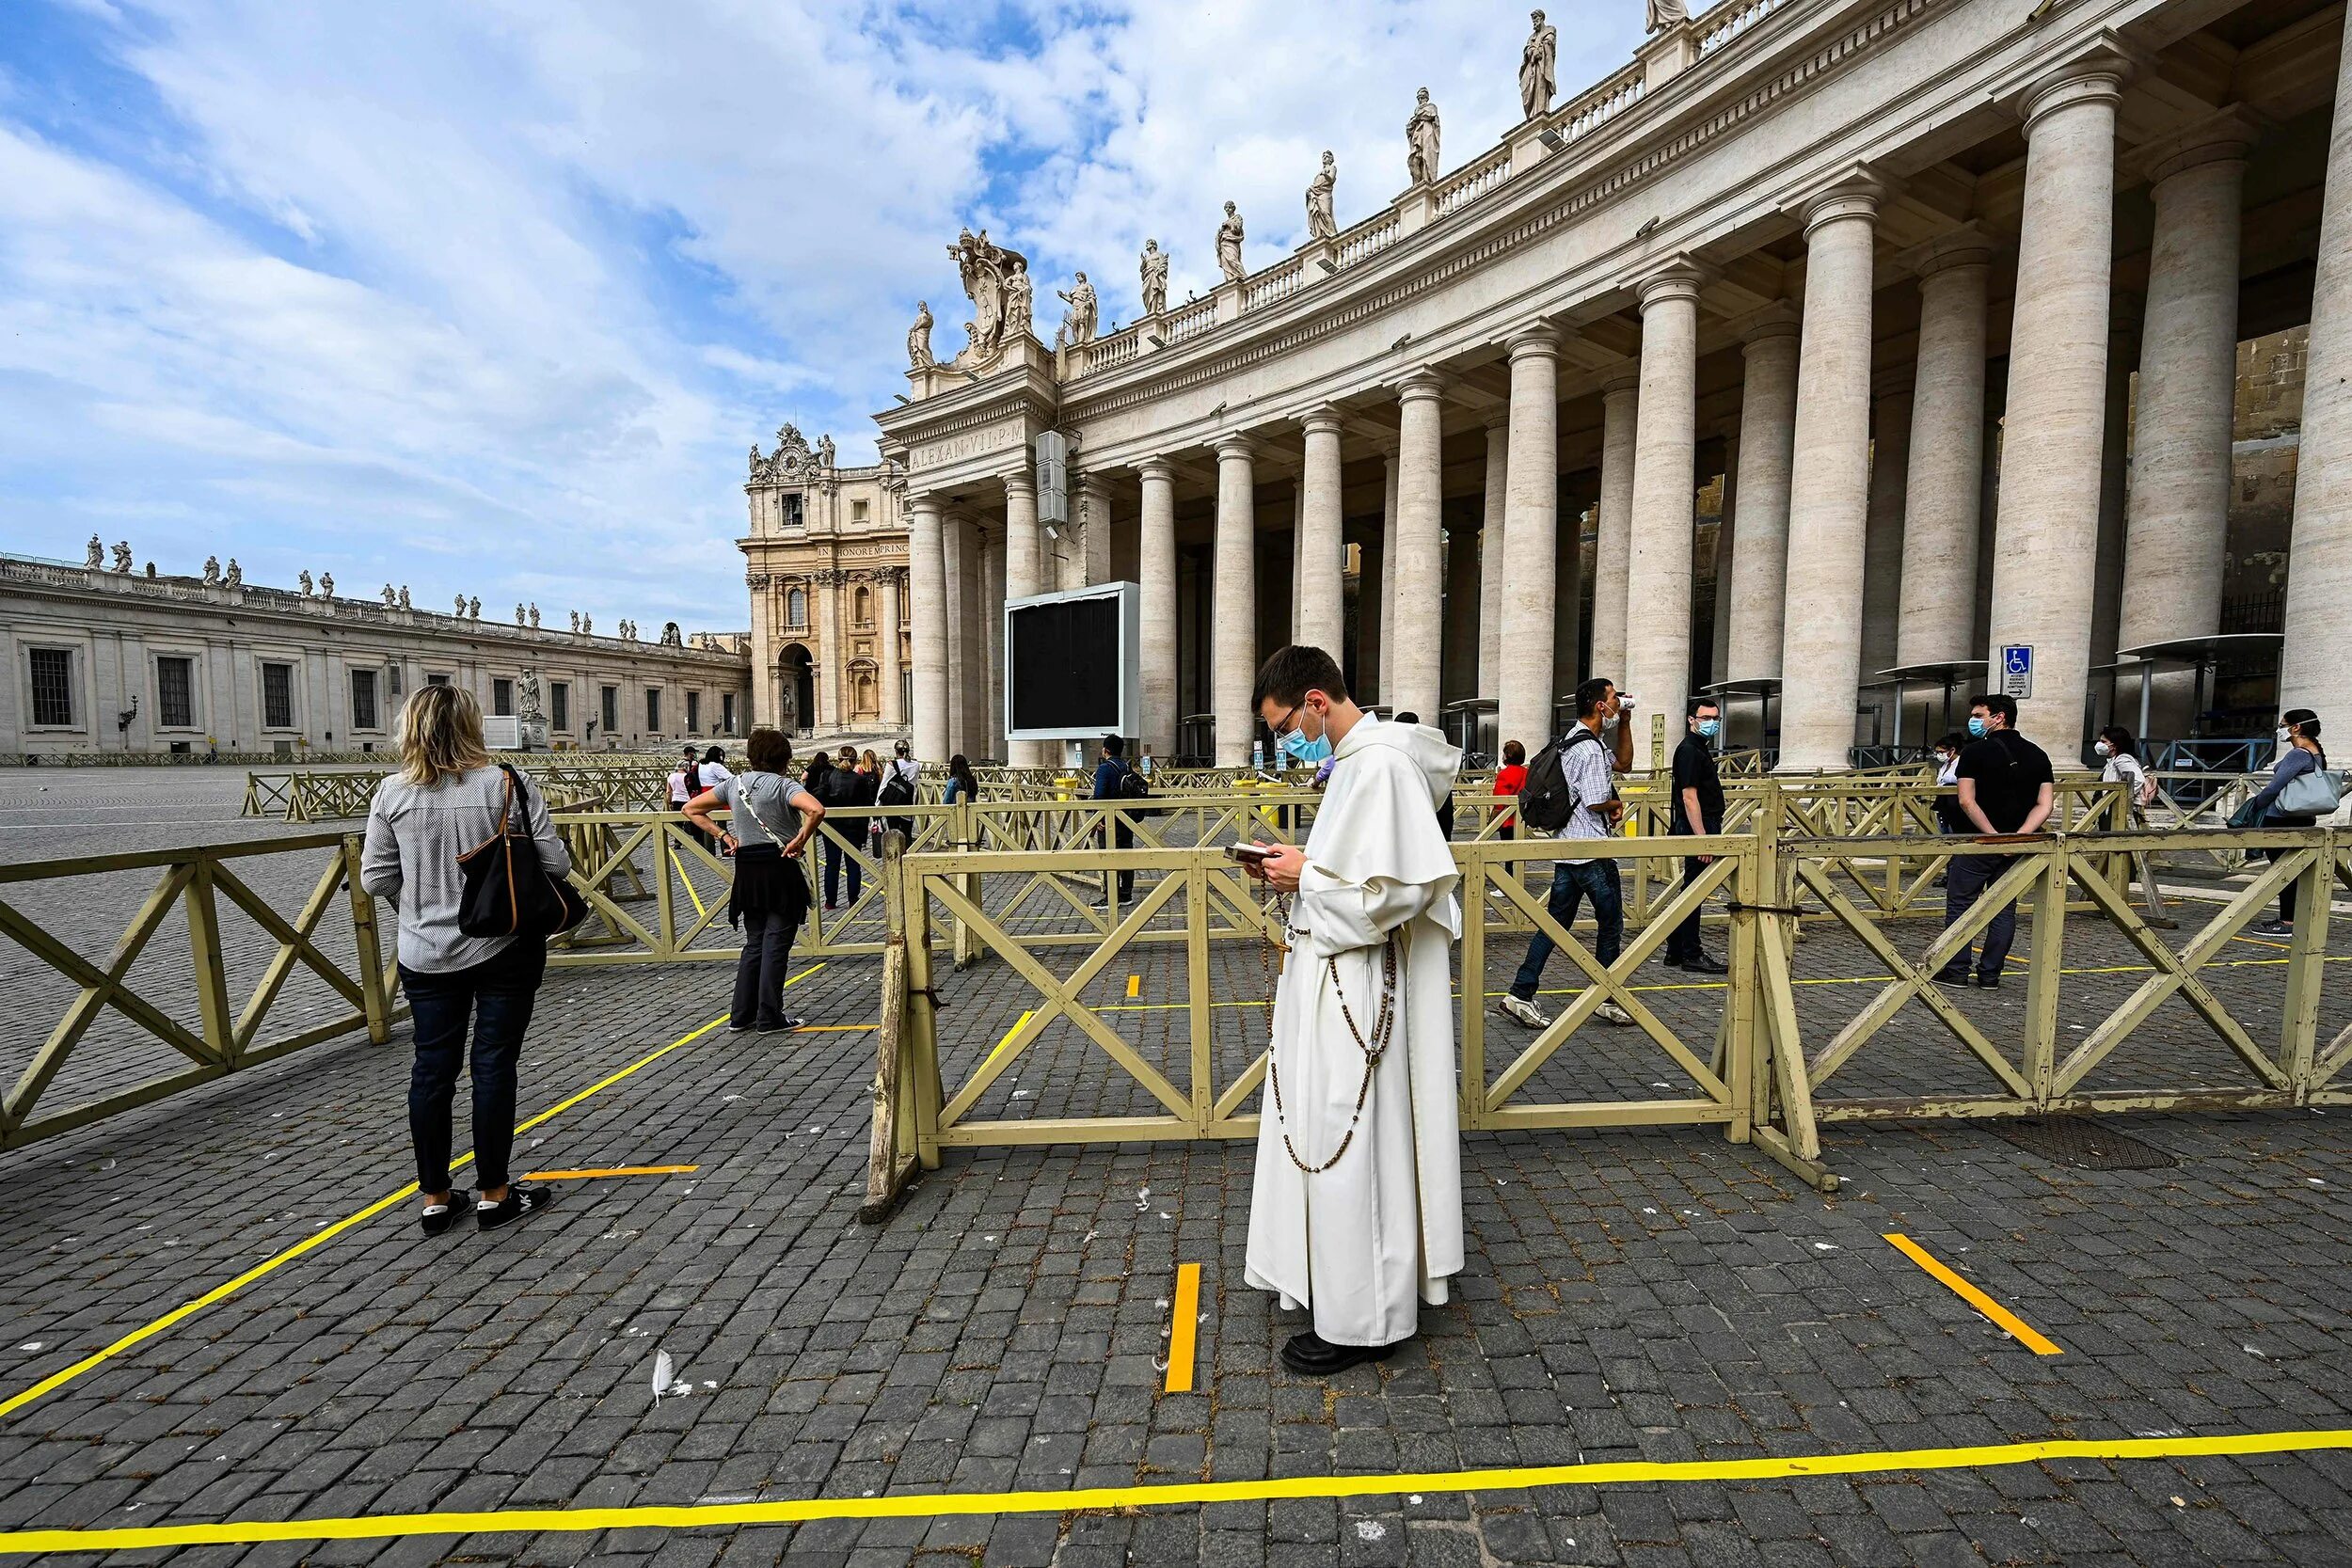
[[1609, 1012], [1522, 1012]]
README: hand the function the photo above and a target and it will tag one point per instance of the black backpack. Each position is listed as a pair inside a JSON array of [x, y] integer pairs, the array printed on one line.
[[1131, 784], [1547, 800], [897, 791]]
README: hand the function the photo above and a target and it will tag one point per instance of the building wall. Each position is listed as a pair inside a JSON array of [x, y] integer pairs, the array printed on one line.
[[116, 630], [826, 546]]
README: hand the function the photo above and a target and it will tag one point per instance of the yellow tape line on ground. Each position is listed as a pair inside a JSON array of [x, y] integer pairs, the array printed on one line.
[[931, 1504], [2001, 1317], [1183, 1323], [610, 1170], [320, 1237]]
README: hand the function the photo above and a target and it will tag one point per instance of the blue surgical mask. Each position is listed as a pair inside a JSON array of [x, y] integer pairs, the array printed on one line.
[[1303, 751], [1710, 728], [1976, 727]]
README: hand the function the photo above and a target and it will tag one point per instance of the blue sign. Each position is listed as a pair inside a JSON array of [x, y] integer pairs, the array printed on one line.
[[2017, 669]]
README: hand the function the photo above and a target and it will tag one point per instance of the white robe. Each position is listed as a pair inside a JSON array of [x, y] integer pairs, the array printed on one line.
[[1364, 1243]]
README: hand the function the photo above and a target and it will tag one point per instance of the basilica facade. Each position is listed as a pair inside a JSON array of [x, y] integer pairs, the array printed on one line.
[[1829, 356]]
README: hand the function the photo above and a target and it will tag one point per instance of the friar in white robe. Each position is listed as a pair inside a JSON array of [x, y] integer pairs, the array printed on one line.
[[1365, 1241]]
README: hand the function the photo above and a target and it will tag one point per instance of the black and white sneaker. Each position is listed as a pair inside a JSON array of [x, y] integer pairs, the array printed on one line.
[[438, 1217], [784, 1026], [519, 1201]]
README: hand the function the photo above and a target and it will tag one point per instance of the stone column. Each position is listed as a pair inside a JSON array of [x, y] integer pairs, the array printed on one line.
[[1417, 620], [1025, 567], [832, 653], [1829, 484], [1322, 618], [1233, 641], [2177, 521], [1531, 503], [1156, 604], [1658, 570], [1093, 556], [992, 720], [890, 655], [1718, 661], [1384, 686], [1491, 558], [2319, 561], [927, 589], [1883, 544], [1937, 618], [1458, 680], [964, 612], [2043, 574], [1612, 545], [1768, 428], [2107, 596]]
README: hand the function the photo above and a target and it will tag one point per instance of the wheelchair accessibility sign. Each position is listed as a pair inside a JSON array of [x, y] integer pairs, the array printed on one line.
[[2017, 670]]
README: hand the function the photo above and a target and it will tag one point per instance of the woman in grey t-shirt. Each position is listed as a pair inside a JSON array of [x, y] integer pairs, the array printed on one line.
[[770, 897]]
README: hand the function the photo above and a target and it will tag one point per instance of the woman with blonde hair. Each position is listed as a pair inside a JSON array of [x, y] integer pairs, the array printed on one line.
[[447, 798]]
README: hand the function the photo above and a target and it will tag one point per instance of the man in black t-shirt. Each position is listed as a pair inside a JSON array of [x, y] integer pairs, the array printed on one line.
[[2005, 788], [1698, 808]]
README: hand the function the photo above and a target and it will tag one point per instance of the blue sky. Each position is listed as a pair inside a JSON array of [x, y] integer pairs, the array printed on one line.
[[491, 297]]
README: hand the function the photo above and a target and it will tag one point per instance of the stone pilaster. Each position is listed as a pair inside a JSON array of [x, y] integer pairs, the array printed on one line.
[[1768, 430], [1419, 570], [1726, 521], [1945, 471], [1025, 567], [2319, 563], [1657, 568], [889, 655], [927, 553], [1157, 572], [1829, 483], [1321, 620], [1234, 637], [2177, 522], [1530, 504], [1491, 558], [2042, 573], [1612, 545], [1883, 539]]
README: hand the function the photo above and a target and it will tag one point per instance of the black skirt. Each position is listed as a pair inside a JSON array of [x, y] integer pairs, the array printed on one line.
[[766, 884]]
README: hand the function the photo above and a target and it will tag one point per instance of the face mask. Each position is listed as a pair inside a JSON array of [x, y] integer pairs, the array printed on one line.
[[2103, 748], [1976, 726], [1299, 749], [2283, 735], [1710, 728], [1943, 759]]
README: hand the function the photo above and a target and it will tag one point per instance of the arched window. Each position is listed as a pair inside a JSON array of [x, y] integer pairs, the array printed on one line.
[[864, 607], [796, 607]]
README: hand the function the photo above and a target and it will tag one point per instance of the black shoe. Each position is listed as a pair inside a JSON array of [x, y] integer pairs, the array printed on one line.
[[1951, 977], [789, 1021], [438, 1218], [1669, 960], [1988, 982], [1704, 965], [1311, 1356], [735, 1028], [519, 1202]]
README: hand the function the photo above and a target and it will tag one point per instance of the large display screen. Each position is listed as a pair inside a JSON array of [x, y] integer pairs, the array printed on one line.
[[1065, 662]]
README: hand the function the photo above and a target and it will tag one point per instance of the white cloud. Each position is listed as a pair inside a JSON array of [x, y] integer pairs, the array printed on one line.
[[491, 294]]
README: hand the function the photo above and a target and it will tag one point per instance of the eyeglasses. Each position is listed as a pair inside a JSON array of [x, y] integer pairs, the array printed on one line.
[[1286, 724]]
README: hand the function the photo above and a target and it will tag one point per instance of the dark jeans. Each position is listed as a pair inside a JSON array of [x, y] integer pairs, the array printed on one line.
[[760, 972], [496, 997], [1683, 943], [2286, 890], [1965, 877], [1124, 838], [1593, 879], [835, 855]]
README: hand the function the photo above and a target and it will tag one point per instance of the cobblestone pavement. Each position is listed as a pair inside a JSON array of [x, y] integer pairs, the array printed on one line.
[[1655, 1294], [1659, 1294]]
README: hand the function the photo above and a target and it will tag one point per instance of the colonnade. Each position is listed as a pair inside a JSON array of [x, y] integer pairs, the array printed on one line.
[[1858, 518]]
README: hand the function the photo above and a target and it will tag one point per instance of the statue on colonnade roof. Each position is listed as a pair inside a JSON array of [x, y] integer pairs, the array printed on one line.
[[1536, 82], [1421, 138], [1321, 225], [987, 270], [1154, 271]]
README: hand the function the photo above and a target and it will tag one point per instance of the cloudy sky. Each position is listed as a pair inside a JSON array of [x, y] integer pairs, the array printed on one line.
[[492, 295]]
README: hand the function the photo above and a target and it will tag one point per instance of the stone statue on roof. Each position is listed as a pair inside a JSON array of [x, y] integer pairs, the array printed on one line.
[[1321, 225], [1667, 13], [1228, 244], [97, 557], [1421, 138], [918, 340], [1154, 271], [986, 268], [211, 571], [1536, 58], [1078, 326]]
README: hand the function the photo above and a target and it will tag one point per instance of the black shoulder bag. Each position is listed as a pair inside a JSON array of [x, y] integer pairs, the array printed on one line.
[[508, 892]]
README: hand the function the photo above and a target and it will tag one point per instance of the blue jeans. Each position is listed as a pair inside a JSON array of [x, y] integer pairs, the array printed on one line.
[[496, 997], [1593, 879], [1965, 877], [835, 855]]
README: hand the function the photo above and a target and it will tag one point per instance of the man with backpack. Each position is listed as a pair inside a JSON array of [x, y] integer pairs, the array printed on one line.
[[1115, 781], [898, 789], [1571, 790]]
